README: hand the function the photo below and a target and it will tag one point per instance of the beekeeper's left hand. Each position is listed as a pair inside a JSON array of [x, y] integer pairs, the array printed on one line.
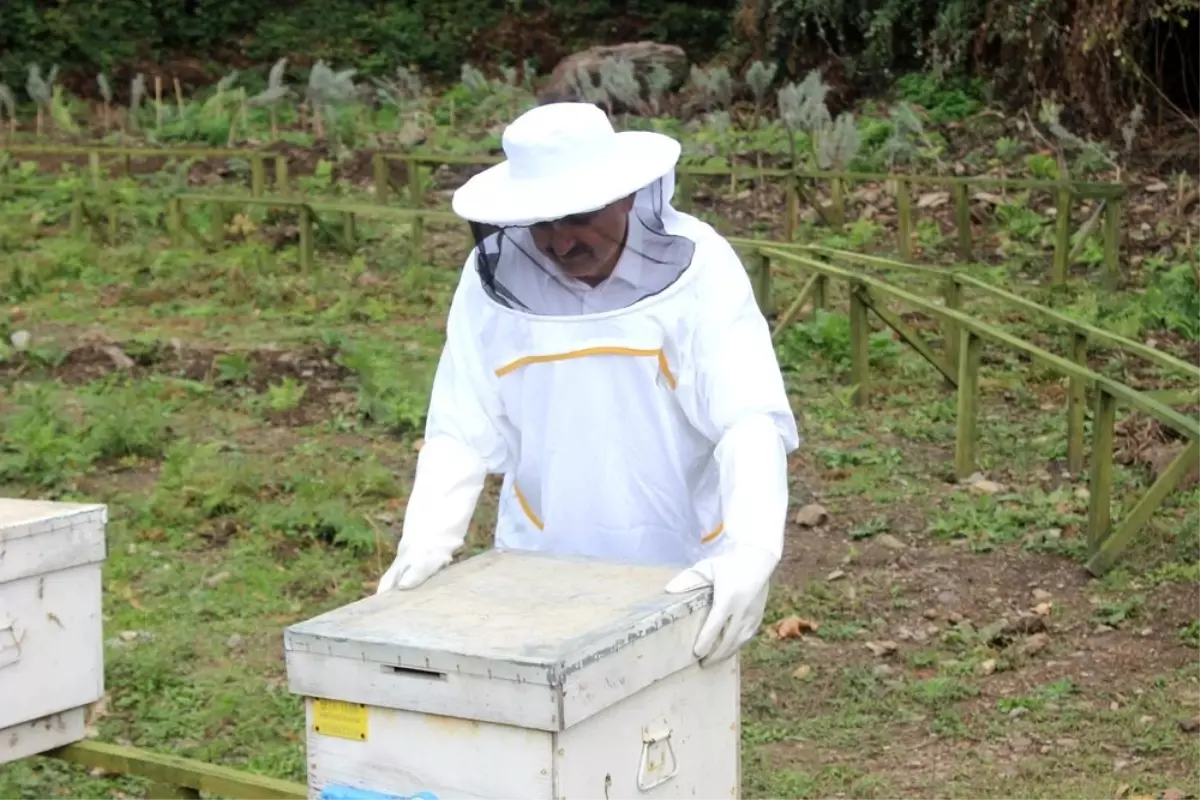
[[740, 579]]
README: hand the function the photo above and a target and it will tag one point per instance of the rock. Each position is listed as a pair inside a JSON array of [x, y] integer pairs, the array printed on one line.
[[986, 487], [882, 649], [836, 575], [235, 641], [1102, 629], [644, 56], [20, 340], [981, 485], [812, 515], [1082, 493], [986, 667], [802, 672], [930, 613], [948, 598], [1017, 712], [128, 636], [955, 617], [890, 542], [1043, 609], [1190, 724], [1173, 794], [882, 671], [1041, 595], [1034, 644], [118, 357], [216, 580]]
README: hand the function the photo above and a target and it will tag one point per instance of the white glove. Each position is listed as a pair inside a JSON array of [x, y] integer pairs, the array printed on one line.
[[445, 489], [754, 499], [740, 579]]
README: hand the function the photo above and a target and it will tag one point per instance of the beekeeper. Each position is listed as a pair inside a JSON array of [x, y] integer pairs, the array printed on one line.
[[605, 354]]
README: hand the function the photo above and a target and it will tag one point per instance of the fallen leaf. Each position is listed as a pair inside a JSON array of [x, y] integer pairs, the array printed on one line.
[[1157, 186], [986, 487], [1122, 791], [802, 672], [881, 649], [812, 515], [933, 199], [837, 574], [1043, 609], [1173, 794], [987, 667], [793, 628], [890, 542], [988, 197]]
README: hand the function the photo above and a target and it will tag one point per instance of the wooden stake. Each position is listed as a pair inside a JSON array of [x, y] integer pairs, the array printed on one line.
[[158, 106], [178, 96]]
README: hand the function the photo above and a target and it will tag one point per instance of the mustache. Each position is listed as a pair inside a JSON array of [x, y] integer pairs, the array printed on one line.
[[577, 251]]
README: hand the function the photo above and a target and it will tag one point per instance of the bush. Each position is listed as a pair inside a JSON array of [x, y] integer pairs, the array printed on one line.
[[435, 36]]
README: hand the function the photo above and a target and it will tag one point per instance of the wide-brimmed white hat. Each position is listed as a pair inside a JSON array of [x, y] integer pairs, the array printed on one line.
[[563, 158]]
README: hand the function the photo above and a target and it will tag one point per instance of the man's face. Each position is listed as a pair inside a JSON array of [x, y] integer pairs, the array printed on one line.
[[586, 246]]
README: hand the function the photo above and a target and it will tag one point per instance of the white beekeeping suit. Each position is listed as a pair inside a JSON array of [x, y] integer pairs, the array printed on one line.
[[643, 419]]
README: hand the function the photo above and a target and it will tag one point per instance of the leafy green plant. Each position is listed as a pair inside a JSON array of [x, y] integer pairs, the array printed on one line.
[[828, 335], [1172, 301], [286, 395]]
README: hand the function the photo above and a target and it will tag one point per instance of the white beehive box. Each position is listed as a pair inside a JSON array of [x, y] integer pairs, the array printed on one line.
[[51, 639], [517, 675]]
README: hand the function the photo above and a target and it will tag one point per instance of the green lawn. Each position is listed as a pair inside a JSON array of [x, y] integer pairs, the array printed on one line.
[[256, 455]]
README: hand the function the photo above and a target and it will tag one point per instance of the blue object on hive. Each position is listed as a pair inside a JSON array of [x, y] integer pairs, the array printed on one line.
[[335, 792]]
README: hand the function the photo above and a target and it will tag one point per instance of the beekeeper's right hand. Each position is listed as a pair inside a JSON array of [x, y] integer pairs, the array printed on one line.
[[448, 481]]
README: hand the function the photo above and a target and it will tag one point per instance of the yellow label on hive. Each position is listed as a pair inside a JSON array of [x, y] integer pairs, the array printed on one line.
[[340, 719]]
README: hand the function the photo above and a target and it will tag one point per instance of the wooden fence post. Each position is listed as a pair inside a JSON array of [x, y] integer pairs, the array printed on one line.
[[1076, 398], [306, 238], [1062, 236], [281, 173], [952, 296], [1100, 487], [969, 351], [962, 220], [258, 176], [904, 218], [762, 283], [860, 341], [415, 198], [1112, 242]]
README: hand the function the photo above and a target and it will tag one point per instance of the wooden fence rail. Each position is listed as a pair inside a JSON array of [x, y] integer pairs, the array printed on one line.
[[1066, 193], [1083, 336], [177, 777], [1104, 544]]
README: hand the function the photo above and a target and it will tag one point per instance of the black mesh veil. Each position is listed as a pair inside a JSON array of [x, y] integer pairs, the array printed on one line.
[[516, 273]]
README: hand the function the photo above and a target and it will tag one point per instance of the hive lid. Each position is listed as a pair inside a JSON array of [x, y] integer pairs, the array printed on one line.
[[19, 517], [521, 616]]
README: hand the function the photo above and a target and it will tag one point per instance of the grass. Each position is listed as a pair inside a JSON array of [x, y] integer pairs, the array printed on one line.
[[256, 457]]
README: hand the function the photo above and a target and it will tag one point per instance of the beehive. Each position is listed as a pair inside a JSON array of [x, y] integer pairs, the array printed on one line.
[[517, 675], [51, 633]]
